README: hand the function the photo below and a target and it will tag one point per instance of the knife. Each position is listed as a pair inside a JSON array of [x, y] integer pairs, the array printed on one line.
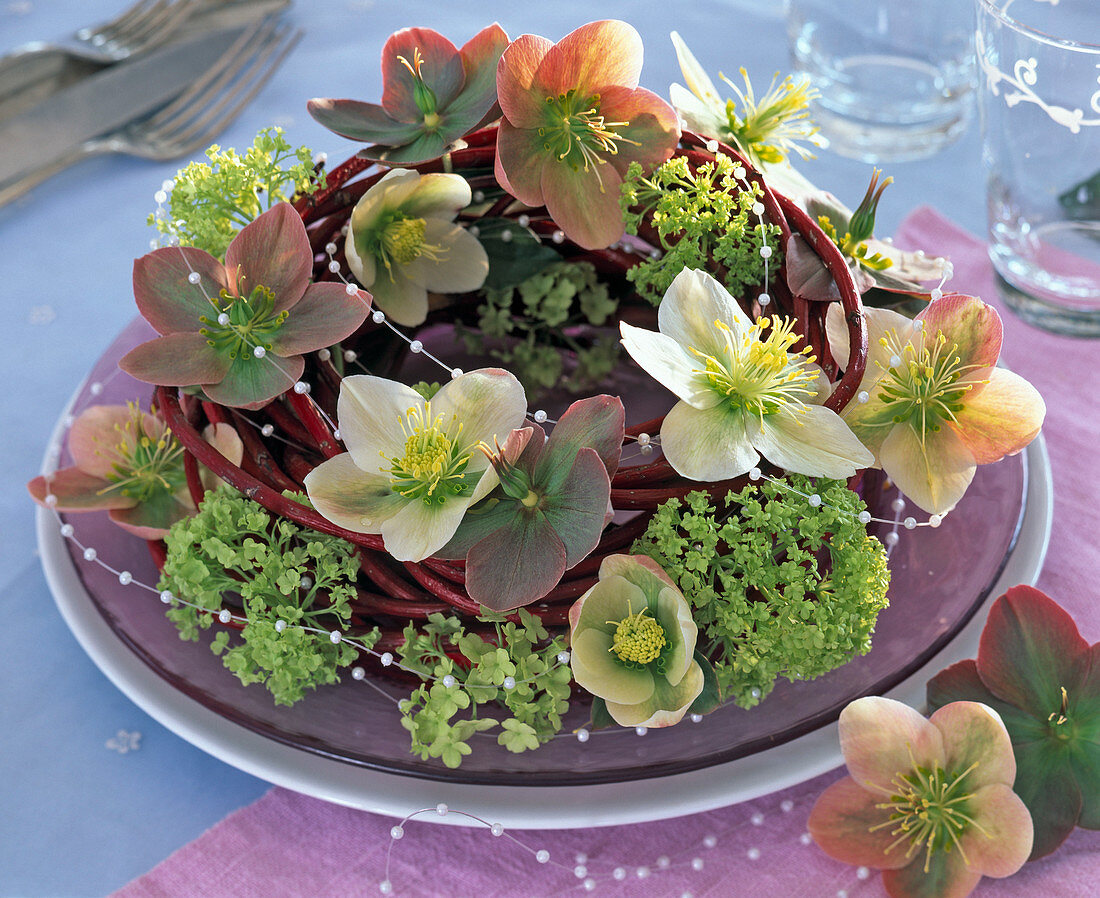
[[104, 102], [30, 78]]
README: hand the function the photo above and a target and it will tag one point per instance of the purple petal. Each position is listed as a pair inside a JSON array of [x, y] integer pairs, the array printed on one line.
[[357, 120], [843, 823], [272, 251], [326, 315], [77, 490], [166, 299], [177, 360], [516, 564], [441, 70], [253, 383]]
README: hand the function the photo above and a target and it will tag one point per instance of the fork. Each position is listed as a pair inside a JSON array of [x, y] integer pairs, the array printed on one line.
[[195, 117]]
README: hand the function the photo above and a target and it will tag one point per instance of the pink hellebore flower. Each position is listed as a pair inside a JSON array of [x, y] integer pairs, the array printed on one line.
[[239, 329], [433, 94], [128, 463], [934, 404], [574, 120], [930, 802]]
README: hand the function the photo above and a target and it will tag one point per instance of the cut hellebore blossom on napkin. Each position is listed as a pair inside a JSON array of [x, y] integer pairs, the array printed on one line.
[[742, 393], [936, 405], [632, 642], [1043, 678], [403, 242], [574, 120], [128, 462], [239, 330], [413, 466], [929, 802], [432, 94], [555, 503]]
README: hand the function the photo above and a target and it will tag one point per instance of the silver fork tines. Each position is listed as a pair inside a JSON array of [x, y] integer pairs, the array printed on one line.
[[196, 116]]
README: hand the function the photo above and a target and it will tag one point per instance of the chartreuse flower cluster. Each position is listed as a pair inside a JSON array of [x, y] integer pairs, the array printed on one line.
[[211, 201], [528, 327], [765, 604], [703, 218], [516, 666], [287, 578]]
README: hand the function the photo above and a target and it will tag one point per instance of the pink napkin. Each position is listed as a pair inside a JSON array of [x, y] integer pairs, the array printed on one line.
[[288, 844]]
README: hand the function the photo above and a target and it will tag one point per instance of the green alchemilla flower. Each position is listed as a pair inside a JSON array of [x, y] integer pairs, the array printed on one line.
[[632, 641], [433, 93], [239, 329], [128, 463], [413, 466], [1043, 678], [403, 242], [742, 392]]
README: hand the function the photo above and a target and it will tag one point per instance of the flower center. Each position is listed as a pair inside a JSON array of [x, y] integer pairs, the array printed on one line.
[[143, 466], [1058, 719], [638, 638], [423, 96], [433, 465], [922, 386], [929, 811], [577, 134], [758, 373], [249, 323], [402, 241]]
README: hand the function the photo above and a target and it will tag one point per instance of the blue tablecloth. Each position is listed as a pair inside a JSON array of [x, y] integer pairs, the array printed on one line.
[[95, 792]]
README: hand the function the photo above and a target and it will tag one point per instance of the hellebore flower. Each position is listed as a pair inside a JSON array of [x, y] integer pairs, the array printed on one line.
[[574, 120], [413, 467], [632, 641], [432, 95], [556, 496], [766, 130], [930, 802], [742, 394], [128, 463], [936, 406], [239, 329], [403, 242], [1043, 679]]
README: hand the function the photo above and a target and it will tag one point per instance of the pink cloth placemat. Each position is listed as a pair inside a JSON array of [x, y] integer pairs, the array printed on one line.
[[286, 844]]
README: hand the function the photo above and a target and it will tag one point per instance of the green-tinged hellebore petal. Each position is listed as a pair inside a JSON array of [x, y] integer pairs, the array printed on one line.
[[666, 707], [845, 822], [974, 735], [326, 314], [272, 251], [707, 444], [948, 876], [252, 383], [516, 564], [578, 509], [176, 360], [351, 497], [812, 440], [76, 490], [152, 519], [596, 669]]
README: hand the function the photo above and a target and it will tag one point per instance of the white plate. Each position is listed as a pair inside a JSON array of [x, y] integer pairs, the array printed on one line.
[[514, 806]]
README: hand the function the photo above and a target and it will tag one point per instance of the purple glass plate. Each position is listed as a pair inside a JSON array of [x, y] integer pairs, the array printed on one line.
[[941, 577]]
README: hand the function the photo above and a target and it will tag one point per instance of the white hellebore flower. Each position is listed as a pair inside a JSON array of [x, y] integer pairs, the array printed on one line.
[[403, 243], [413, 467], [742, 394]]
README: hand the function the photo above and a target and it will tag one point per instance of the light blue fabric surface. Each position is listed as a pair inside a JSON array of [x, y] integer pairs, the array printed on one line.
[[77, 817]]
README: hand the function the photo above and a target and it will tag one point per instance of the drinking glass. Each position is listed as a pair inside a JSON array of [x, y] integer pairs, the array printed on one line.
[[1039, 100], [895, 77]]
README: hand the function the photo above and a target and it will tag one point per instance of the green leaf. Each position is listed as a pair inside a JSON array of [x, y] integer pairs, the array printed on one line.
[[711, 696], [513, 261]]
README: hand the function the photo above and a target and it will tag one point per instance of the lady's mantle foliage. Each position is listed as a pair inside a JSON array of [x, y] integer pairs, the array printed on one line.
[[284, 577]]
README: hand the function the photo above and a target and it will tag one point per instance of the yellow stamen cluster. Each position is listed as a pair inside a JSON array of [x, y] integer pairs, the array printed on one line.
[[924, 385], [433, 465], [929, 811], [758, 372], [252, 322], [141, 465], [638, 638], [403, 241], [577, 133]]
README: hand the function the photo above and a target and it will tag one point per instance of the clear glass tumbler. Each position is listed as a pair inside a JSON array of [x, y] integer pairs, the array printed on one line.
[[895, 77], [1040, 112]]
